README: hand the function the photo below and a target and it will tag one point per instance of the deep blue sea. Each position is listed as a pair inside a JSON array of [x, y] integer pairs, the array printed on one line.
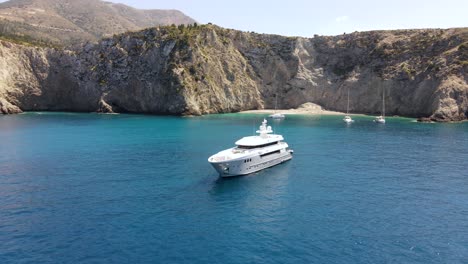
[[91, 188]]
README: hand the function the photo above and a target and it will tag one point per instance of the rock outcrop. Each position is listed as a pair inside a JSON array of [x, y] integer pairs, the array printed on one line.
[[207, 69]]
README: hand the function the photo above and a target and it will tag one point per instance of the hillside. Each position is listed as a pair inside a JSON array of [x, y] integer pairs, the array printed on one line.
[[207, 69], [65, 22]]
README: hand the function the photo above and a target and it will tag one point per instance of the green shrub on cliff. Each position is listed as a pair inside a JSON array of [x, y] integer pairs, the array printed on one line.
[[463, 47]]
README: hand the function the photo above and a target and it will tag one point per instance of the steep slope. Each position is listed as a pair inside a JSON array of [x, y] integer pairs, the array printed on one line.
[[422, 72], [207, 69], [69, 22]]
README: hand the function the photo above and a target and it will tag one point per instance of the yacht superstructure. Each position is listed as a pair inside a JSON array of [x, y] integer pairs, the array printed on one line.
[[252, 153]]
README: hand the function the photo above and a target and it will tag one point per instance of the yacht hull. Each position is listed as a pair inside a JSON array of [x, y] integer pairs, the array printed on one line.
[[254, 164]]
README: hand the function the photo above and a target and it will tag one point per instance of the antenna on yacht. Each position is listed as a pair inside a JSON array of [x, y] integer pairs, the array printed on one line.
[[264, 129]]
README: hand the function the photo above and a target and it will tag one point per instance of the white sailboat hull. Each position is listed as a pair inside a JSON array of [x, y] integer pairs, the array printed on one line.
[[380, 120], [348, 120], [276, 116]]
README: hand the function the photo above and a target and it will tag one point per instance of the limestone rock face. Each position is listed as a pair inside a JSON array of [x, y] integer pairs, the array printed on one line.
[[421, 72], [452, 100], [311, 107], [207, 69], [8, 108]]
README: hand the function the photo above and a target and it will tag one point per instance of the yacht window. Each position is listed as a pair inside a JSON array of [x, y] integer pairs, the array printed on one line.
[[258, 146], [270, 153]]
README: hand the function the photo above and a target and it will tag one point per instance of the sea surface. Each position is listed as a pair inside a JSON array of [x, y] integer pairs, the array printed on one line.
[[91, 188]]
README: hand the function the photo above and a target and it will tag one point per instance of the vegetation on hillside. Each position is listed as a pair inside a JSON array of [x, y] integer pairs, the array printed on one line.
[[25, 34], [403, 54], [67, 22]]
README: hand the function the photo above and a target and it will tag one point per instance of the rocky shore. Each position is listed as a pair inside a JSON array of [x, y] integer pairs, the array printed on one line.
[[304, 109], [207, 69]]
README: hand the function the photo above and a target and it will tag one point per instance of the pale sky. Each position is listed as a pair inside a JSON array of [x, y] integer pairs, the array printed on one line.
[[323, 17]]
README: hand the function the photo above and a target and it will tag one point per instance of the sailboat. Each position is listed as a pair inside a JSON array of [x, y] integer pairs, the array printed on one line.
[[276, 115], [347, 119], [381, 119]]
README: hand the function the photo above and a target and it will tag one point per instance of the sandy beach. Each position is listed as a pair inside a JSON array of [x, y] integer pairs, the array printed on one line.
[[294, 112], [305, 109]]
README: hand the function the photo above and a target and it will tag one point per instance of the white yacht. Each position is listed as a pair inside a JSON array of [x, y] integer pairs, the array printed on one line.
[[252, 153]]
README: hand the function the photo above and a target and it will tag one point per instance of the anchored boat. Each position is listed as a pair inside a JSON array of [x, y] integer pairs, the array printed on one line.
[[347, 119], [252, 154], [381, 119]]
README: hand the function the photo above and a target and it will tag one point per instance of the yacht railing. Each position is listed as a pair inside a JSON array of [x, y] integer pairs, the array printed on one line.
[[237, 151]]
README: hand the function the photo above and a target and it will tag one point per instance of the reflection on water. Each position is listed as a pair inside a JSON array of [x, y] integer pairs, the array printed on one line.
[[274, 178]]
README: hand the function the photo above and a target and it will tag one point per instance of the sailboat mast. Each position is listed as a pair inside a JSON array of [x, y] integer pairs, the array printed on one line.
[[383, 102], [276, 102], [347, 107]]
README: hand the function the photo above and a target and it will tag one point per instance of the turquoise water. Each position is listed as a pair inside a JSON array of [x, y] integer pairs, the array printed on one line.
[[89, 188]]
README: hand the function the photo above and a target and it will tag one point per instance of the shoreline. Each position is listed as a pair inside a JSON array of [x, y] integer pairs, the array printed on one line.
[[299, 111], [316, 112], [290, 112]]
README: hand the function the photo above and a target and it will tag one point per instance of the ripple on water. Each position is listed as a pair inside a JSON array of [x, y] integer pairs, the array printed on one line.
[[87, 188]]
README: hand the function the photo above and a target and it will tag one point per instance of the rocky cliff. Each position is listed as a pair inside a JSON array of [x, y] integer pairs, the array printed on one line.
[[207, 69]]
